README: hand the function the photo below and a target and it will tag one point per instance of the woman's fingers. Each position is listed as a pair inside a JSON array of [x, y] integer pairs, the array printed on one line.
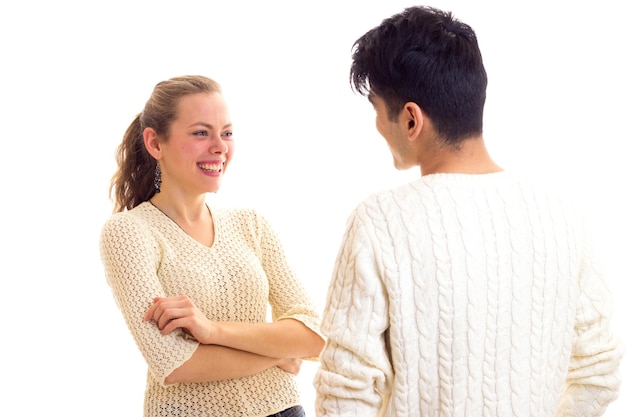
[[150, 312], [165, 309], [171, 313]]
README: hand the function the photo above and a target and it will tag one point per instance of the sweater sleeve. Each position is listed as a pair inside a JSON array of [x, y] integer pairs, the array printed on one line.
[[593, 379], [355, 371], [288, 297], [131, 256]]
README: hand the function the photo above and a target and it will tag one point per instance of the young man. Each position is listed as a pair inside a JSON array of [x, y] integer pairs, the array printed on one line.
[[468, 292]]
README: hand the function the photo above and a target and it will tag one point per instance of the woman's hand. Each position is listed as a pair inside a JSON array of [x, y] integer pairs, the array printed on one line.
[[179, 312], [291, 365]]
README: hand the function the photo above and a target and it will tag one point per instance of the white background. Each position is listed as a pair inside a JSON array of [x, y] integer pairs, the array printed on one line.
[[73, 74]]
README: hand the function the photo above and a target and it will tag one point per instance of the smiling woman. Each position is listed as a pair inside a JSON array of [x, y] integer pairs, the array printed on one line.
[[194, 283]]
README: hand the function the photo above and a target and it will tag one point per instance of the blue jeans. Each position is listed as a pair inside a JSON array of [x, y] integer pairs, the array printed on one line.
[[296, 411]]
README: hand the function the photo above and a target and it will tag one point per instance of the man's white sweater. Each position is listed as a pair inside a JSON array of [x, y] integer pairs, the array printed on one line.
[[466, 295]]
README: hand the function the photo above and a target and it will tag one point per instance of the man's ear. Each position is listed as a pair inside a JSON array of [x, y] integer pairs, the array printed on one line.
[[151, 142], [413, 120]]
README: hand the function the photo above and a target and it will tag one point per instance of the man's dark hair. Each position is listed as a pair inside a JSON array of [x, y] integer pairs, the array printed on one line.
[[426, 56]]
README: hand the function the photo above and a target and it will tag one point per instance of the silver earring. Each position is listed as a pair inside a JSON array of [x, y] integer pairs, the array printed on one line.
[[157, 178]]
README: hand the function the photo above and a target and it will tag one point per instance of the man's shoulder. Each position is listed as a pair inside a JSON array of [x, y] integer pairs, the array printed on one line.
[[384, 202]]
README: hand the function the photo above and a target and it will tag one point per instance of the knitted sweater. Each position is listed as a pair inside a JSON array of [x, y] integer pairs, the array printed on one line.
[[145, 255], [466, 295]]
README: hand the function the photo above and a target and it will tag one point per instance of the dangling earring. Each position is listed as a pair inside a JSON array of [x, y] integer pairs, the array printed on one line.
[[157, 178]]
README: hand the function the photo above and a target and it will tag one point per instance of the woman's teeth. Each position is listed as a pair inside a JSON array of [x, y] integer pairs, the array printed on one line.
[[211, 167]]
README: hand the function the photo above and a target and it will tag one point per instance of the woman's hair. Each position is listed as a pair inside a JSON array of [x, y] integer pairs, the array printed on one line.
[[133, 183]]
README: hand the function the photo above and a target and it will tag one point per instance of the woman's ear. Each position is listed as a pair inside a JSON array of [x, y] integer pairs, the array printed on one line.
[[413, 120], [151, 142]]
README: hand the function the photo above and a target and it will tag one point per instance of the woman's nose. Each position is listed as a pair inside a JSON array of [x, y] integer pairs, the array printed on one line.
[[219, 146]]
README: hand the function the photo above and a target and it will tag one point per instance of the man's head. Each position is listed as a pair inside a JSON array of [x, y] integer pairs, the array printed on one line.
[[424, 56]]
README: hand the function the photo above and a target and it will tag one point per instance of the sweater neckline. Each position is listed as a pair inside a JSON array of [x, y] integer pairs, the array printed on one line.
[[172, 221]]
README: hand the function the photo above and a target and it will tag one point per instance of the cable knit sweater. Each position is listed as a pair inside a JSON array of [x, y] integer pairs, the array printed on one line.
[[466, 295], [145, 255]]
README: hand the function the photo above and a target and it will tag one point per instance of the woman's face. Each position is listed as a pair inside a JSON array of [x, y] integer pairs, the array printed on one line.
[[200, 145]]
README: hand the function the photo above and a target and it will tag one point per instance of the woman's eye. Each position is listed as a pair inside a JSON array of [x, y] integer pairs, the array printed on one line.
[[201, 133], [227, 134]]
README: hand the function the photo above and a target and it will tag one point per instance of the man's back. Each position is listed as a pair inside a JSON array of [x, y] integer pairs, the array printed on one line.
[[468, 292], [462, 295]]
